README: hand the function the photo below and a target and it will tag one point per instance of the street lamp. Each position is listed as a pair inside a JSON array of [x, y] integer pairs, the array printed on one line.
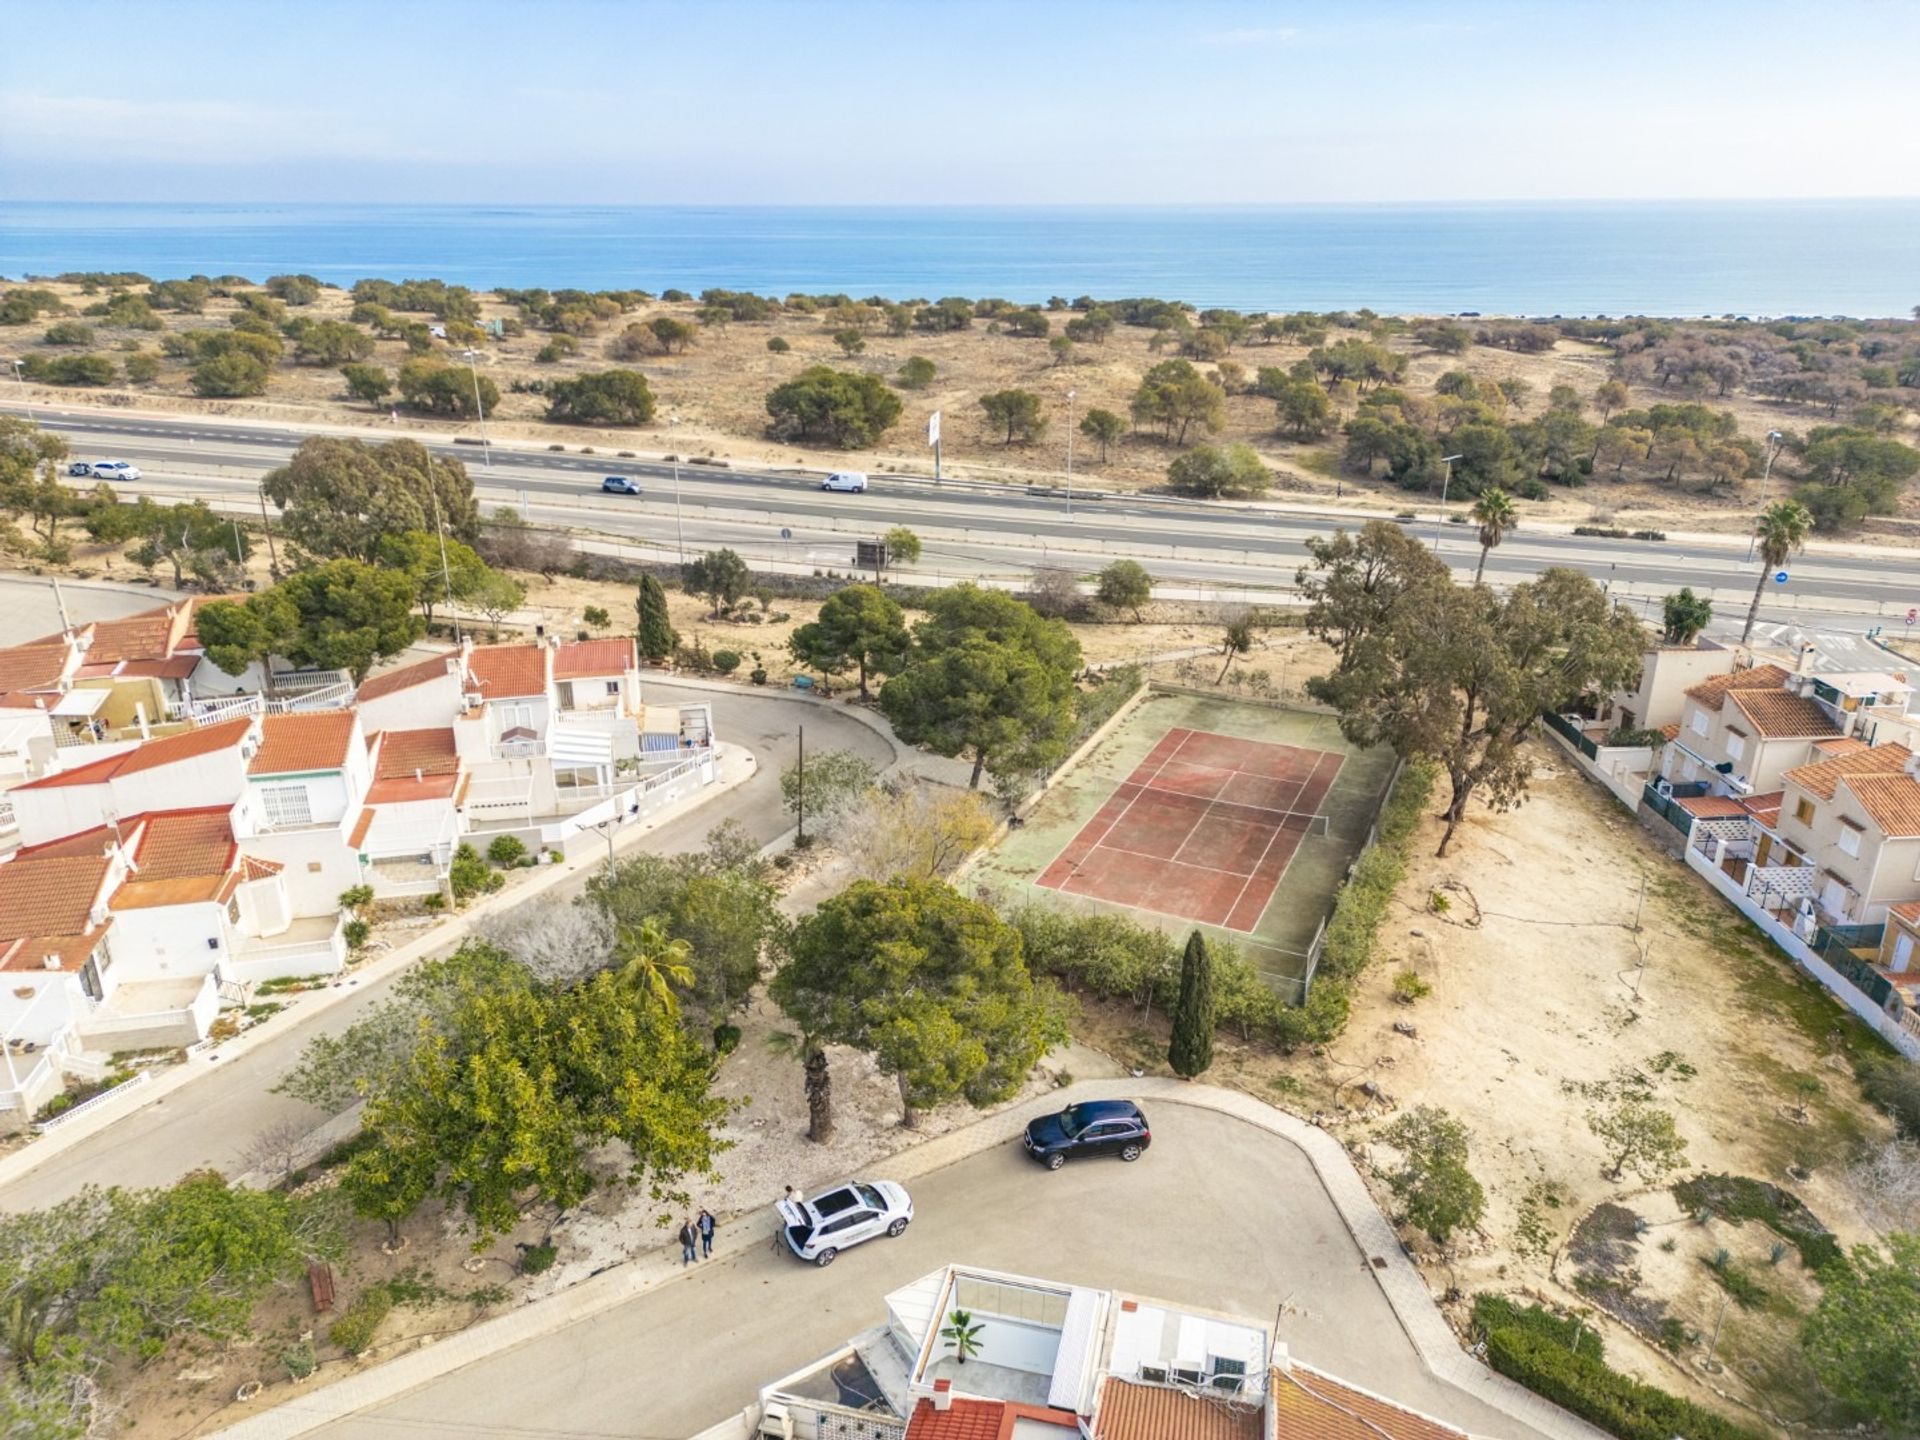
[[1069, 454], [679, 530], [1774, 439], [1445, 483], [486, 450], [20, 374]]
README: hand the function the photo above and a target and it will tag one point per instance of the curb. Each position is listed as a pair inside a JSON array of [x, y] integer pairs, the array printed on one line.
[[1400, 1282], [728, 758]]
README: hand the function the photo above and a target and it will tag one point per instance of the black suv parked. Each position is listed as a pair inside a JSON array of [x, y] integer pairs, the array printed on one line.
[[1093, 1127]]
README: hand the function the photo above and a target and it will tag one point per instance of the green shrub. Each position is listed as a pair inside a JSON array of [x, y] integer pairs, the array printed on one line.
[[537, 1258], [1739, 1198], [726, 1039], [778, 346], [506, 850], [353, 1332], [726, 661], [356, 897], [1409, 987], [356, 933], [1537, 1349], [300, 1360], [468, 875]]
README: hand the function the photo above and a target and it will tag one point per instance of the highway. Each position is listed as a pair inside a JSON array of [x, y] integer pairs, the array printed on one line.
[[781, 520]]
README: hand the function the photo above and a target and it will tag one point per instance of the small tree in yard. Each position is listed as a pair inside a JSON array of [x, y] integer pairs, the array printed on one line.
[[933, 984], [1683, 615], [655, 635], [1103, 427], [721, 577], [1017, 412], [1125, 585], [1638, 1136], [1190, 1051], [1235, 641], [1433, 1185], [902, 545], [834, 782], [859, 628], [1863, 1338]]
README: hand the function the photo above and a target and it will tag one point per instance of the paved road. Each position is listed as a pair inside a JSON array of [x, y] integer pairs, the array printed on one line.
[[973, 528], [212, 1120], [1255, 1233], [28, 609]]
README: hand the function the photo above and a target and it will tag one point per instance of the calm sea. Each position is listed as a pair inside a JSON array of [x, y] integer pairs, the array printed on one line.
[[1696, 258]]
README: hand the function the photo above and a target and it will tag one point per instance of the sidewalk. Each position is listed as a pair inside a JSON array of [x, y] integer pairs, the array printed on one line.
[[735, 765], [1399, 1281]]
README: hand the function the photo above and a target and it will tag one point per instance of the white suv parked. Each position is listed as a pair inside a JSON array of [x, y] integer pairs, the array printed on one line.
[[820, 1228], [852, 480]]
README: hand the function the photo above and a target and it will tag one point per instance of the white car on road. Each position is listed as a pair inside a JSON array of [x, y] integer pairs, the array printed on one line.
[[851, 480], [819, 1229], [115, 470]]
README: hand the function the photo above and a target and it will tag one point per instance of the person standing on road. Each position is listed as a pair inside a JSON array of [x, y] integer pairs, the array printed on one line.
[[705, 1225], [689, 1239]]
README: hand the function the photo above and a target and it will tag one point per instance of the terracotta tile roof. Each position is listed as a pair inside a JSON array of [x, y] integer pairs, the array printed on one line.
[[182, 857], [969, 1419], [1155, 1412], [96, 841], [402, 752], [1756, 677], [1777, 715], [502, 672], [1820, 777], [1308, 1405], [33, 667], [1765, 808], [45, 910], [147, 635], [585, 659], [394, 792], [317, 740], [1712, 807], [205, 740], [360, 828], [1892, 800], [966, 1420], [173, 667], [1909, 912], [405, 678], [1844, 745], [1671, 732]]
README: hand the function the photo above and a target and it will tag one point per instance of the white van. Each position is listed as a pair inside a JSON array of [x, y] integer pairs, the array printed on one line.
[[853, 480]]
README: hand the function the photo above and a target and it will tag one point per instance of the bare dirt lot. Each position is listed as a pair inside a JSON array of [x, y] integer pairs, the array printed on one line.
[[1538, 998], [712, 402]]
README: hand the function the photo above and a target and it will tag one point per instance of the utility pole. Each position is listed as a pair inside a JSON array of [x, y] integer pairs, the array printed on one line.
[[20, 374], [679, 527], [1774, 437], [1447, 483], [800, 795], [486, 450], [273, 558], [1069, 455], [446, 574]]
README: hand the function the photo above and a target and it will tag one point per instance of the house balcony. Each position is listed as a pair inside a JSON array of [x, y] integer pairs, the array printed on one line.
[[311, 945], [148, 1014]]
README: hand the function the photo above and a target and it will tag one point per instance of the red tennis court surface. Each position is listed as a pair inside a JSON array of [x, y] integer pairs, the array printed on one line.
[[1203, 829]]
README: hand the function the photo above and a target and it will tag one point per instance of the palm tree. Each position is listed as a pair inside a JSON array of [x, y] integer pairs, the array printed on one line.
[[1493, 512], [1683, 615], [962, 1331], [1781, 530], [650, 961], [812, 1055]]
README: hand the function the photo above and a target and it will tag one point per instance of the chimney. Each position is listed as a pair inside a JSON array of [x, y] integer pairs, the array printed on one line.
[[943, 1394], [1805, 664], [1282, 1358], [417, 776]]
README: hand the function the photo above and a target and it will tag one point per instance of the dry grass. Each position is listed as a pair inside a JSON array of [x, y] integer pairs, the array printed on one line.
[[717, 390]]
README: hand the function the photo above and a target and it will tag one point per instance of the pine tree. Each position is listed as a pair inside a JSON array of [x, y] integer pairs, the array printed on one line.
[[656, 635], [1191, 1050]]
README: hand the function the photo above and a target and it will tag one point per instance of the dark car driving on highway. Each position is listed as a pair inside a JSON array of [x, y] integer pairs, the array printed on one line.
[[1093, 1127]]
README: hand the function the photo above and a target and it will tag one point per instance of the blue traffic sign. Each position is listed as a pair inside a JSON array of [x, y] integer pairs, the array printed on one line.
[[1779, 577]]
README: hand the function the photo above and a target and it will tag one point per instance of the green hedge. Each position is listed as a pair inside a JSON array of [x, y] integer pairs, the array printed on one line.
[[1532, 1347]]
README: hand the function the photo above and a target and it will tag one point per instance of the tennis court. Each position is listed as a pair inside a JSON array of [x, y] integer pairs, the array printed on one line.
[[1203, 829], [1238, 819]]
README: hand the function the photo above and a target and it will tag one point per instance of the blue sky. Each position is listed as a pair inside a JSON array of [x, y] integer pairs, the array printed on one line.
[[962, 101]]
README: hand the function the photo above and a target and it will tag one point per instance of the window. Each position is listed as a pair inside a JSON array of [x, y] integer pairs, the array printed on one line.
[[285, 805], [613, 689], [1700, 724], [1736, 744], [1803, 812], [1849, 839]]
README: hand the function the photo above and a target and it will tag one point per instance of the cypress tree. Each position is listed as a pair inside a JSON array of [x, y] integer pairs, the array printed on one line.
[[656, 637], [1191, 1049]]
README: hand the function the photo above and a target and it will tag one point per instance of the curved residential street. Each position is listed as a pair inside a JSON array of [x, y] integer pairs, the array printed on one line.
[[1219, 1215]]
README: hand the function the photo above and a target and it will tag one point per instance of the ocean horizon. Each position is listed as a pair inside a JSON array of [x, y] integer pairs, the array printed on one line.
[[1672, 258]]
